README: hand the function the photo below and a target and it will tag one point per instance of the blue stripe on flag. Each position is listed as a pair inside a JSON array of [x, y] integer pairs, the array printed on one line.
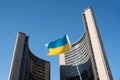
[[58, 43]]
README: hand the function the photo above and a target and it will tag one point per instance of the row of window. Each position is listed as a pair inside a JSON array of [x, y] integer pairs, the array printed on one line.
[[79, 53], [36, 69]]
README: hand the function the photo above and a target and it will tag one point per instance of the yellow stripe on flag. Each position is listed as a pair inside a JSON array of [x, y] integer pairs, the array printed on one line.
[[59, 50]]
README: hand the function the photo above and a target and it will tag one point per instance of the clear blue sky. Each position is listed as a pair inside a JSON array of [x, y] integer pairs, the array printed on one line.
[[47, 20]]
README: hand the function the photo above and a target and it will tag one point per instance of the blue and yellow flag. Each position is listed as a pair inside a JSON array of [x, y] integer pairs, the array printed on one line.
[[59, 46]]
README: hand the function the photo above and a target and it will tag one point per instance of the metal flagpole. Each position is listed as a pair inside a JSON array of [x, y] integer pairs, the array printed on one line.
[[75, 62], [78, 69]]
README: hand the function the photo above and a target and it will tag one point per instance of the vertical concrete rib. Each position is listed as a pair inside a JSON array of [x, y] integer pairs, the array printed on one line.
[[99, 55], [17, 57]]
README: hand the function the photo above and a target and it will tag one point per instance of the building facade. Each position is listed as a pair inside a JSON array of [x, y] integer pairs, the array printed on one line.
[[87, 59], [25, 65]]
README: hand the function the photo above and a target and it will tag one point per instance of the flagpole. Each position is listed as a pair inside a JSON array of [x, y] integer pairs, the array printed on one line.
[[75, 61], [78, 69]]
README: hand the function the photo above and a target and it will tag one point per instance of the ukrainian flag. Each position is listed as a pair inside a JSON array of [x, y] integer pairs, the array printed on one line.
[[59, 46]]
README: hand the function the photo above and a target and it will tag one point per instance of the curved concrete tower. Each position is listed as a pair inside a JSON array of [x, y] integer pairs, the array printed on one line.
[[87, 58], [25, 65]]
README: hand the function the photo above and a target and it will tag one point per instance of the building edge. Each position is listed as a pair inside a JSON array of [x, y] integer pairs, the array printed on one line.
[[10, 72]]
